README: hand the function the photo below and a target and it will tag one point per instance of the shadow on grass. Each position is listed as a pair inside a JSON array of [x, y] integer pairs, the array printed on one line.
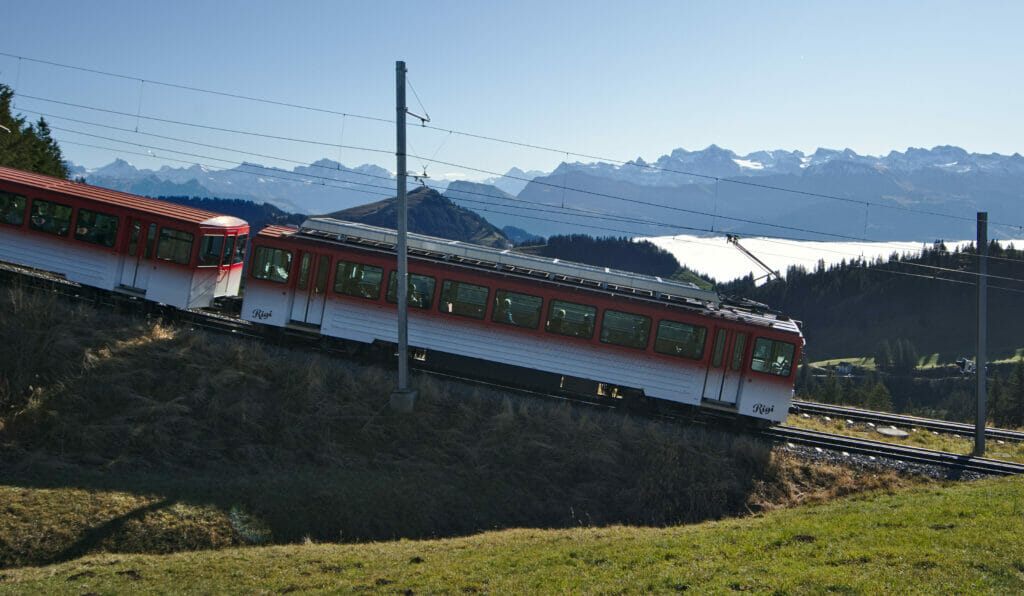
[[95, 536]]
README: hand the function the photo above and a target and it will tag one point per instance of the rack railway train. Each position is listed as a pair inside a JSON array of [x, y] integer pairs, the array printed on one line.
[[111, 240], [483, 312]]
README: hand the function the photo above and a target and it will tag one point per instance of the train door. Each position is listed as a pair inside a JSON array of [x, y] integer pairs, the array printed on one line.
[[141, 240], [311, 289], [725, 372]]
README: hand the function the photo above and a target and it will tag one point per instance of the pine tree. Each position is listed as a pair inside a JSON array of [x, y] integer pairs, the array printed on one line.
[[27, 146], [997, 402], [1014, 396], [878, 398], [883, 355]]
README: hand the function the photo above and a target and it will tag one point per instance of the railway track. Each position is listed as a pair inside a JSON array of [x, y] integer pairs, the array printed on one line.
[[868, 447], [941, 426], [223, 323]]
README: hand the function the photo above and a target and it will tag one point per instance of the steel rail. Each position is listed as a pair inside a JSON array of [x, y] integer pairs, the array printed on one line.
[[901, 452], [859, 414]]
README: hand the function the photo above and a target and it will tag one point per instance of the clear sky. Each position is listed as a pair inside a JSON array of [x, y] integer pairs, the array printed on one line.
[[612, 79]]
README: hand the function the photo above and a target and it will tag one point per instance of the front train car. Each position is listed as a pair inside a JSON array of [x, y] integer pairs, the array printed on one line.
[[153, 249], [529, 320]]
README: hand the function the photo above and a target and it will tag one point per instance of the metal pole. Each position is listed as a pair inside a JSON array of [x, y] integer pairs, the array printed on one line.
[[979, 431], [402, 397]]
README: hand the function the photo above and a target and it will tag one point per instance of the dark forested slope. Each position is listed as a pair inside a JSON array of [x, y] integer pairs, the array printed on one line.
[[850, 308]]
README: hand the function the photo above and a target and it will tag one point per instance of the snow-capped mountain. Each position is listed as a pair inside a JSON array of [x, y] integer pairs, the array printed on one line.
[[829, 194], [320, 187]]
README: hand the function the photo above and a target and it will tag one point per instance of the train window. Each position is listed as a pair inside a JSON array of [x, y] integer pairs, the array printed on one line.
[[175, 246], [271, 264], [12, 208], [460, 298], [150, 240], [96, 228], [625, 329], [680, 339], [356, 279], [321, 274], [716, 358], [49, 217], [210, 249], [772, 357], [133, 238], [571, 319], [229, 251], [420, 293], [304, 264], [240, 249], [738, 344], [513, 308]]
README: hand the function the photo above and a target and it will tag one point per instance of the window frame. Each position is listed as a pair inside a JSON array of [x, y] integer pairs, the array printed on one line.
[[261, 250], [505, 317], [446, 291], [555, 305], [202, 246], [343, 287], [675, 350], [40, 227], [391, 296], [168, 236], [606, 334], [12, 208], [771, 359]]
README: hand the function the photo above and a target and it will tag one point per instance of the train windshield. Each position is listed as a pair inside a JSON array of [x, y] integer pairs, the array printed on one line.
[[240, 249]]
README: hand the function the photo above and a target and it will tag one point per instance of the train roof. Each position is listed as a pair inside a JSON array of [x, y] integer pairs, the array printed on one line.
[[509, 261], [120, 199]]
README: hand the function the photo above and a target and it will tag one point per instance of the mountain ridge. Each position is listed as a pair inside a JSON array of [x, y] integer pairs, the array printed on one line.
[[828, 194]]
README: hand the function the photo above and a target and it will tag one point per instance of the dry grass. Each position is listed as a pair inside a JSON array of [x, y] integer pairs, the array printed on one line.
[[190, 434]]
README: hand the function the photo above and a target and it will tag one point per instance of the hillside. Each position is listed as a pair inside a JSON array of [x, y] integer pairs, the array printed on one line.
[[259, 215], [848, 309], [131, 434], [431, 214]]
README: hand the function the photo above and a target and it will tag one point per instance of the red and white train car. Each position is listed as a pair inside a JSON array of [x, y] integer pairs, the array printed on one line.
[[538, 321], [111, 240]]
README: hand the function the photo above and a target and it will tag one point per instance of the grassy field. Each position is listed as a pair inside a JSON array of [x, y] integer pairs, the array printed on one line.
[[953, 539], [928, 361]]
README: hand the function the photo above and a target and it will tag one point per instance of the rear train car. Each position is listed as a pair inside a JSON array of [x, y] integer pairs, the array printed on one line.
[[111, 240], [541, 322]]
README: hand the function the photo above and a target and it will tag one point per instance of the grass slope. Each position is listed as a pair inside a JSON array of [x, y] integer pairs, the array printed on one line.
[[953, 539], [124, 434]]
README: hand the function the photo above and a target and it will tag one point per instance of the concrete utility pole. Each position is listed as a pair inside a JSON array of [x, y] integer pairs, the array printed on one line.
[[979, 427], [402, 398]]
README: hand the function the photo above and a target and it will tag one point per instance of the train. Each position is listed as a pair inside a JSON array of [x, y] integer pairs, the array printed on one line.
[[116, 241], [487, 313]]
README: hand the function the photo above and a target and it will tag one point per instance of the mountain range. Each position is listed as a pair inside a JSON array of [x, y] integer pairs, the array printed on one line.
[[919, 194]]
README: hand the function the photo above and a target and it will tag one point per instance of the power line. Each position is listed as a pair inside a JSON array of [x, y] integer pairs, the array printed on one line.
[[211, 146], [165, 149], [504, 141], [200, 90], [593, 193], [207, 127], [210, 166], [942, 279]]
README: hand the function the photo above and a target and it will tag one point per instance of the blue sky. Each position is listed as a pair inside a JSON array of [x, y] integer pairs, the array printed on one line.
[[611, 79]]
